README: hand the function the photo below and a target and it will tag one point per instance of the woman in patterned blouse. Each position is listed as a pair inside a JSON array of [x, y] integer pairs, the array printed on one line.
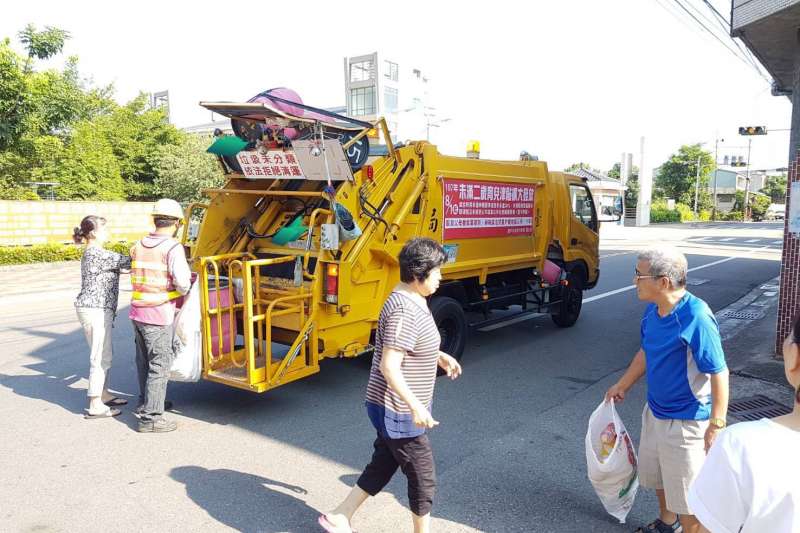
[[96, 306]]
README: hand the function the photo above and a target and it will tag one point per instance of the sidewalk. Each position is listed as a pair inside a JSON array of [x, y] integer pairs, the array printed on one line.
[[750, 347]]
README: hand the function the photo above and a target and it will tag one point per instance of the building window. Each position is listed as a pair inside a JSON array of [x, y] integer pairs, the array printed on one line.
[[362, 101], [361, 71], [390, 71], [390, 100]]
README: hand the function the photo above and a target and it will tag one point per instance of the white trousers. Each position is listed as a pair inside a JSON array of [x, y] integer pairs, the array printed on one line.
[[97, 325]]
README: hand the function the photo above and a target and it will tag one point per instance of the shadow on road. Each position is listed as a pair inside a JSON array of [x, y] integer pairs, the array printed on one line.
[[512, 378], [246, 502]]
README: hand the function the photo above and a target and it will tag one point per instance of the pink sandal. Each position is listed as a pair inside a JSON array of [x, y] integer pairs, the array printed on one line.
[[330, 527]]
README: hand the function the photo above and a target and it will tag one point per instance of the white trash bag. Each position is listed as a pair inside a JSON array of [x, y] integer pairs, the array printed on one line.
[[187, 343], [611, 461]]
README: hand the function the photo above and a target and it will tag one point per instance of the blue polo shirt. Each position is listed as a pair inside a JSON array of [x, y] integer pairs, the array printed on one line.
[[681, 350]]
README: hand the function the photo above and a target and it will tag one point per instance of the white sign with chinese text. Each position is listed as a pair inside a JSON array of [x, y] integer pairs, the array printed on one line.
[[794, 208], [270, 165]]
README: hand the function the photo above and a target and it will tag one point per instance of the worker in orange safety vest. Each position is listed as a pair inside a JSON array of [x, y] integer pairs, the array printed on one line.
[[160, 275]]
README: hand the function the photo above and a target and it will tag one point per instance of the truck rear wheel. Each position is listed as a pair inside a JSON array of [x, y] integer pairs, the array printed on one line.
[[568, 311], [452, 323]]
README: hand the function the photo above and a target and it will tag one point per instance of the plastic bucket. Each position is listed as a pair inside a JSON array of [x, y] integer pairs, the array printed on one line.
[[219, 297], [551, 272]]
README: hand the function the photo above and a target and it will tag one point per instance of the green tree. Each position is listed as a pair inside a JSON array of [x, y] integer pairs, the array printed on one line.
[[87, 168], [14, 100], [676, 178], [758, 204], [42, 44], [38, 109], [184, 169], [49, 119], [135, 134], [775, 188]]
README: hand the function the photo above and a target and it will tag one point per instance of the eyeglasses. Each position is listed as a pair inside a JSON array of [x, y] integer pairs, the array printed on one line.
[[638, 275]]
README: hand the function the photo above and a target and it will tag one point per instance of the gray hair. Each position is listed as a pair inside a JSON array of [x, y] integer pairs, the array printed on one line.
[[667, 262]]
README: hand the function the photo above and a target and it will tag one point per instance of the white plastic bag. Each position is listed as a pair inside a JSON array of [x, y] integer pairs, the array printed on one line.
[[186, 342], [615, 478]]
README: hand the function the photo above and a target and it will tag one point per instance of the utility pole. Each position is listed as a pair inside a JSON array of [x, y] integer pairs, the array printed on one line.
[[716, 152], [747, 183], [645, 189], [697, 186], [432, 124]]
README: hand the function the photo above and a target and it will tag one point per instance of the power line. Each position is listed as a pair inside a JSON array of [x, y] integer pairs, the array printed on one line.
[[715, 36], [700, 13], [664, 5], [723, 23]]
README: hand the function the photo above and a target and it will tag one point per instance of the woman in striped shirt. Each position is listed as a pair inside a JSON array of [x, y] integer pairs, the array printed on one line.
[[400, 390]]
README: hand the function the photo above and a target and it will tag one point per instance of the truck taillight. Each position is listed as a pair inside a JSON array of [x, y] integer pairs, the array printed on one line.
[[332, 283]]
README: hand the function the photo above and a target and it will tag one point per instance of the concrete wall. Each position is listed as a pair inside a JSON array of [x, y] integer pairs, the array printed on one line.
[[40, 222]]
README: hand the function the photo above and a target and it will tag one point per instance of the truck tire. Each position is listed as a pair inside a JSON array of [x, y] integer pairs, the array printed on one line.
[[452, 323], [568, 311]]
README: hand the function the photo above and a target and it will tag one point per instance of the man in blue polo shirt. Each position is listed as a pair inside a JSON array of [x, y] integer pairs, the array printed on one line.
[[687, 386]]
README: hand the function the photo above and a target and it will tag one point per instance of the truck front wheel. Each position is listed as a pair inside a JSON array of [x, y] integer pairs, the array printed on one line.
[[452, 323], [567, 312]]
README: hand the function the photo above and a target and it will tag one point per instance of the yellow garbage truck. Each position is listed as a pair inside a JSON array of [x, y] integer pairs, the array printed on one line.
[[297, 252]]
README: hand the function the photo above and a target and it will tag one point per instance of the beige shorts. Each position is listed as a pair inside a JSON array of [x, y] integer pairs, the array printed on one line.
[[671, 453]]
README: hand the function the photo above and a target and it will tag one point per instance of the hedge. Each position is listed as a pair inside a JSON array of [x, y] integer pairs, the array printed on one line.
[[49, 253], [736, 216], [682, 213]]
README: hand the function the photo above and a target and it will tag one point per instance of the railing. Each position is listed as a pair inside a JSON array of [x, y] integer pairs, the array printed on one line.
[[261, 307], [214, 353]]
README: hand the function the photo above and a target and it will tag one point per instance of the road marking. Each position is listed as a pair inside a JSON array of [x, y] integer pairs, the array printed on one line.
[[753, 240], [707, 265], [509, 322], [616, 254], [616, 291], [778, 242], [727, 239]]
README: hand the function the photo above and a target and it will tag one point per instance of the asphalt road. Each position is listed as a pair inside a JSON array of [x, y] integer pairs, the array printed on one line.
[[509, 449]]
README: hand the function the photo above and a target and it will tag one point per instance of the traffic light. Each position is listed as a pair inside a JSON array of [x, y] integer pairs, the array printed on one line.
[[752, 130]]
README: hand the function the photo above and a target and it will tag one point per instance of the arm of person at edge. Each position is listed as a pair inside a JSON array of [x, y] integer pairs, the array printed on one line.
[[391, 368], [124, 262], [636, 370], [719, 404], [449, 364], [179, 270]]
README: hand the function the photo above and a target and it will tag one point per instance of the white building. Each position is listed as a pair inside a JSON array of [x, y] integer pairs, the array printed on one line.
[[378, 86], [608, 193], [728, 181]]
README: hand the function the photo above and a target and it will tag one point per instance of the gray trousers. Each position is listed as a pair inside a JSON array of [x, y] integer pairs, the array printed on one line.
[[154, 355]]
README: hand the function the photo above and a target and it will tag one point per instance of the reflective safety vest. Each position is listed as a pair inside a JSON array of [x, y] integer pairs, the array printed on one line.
[[150, 279]]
